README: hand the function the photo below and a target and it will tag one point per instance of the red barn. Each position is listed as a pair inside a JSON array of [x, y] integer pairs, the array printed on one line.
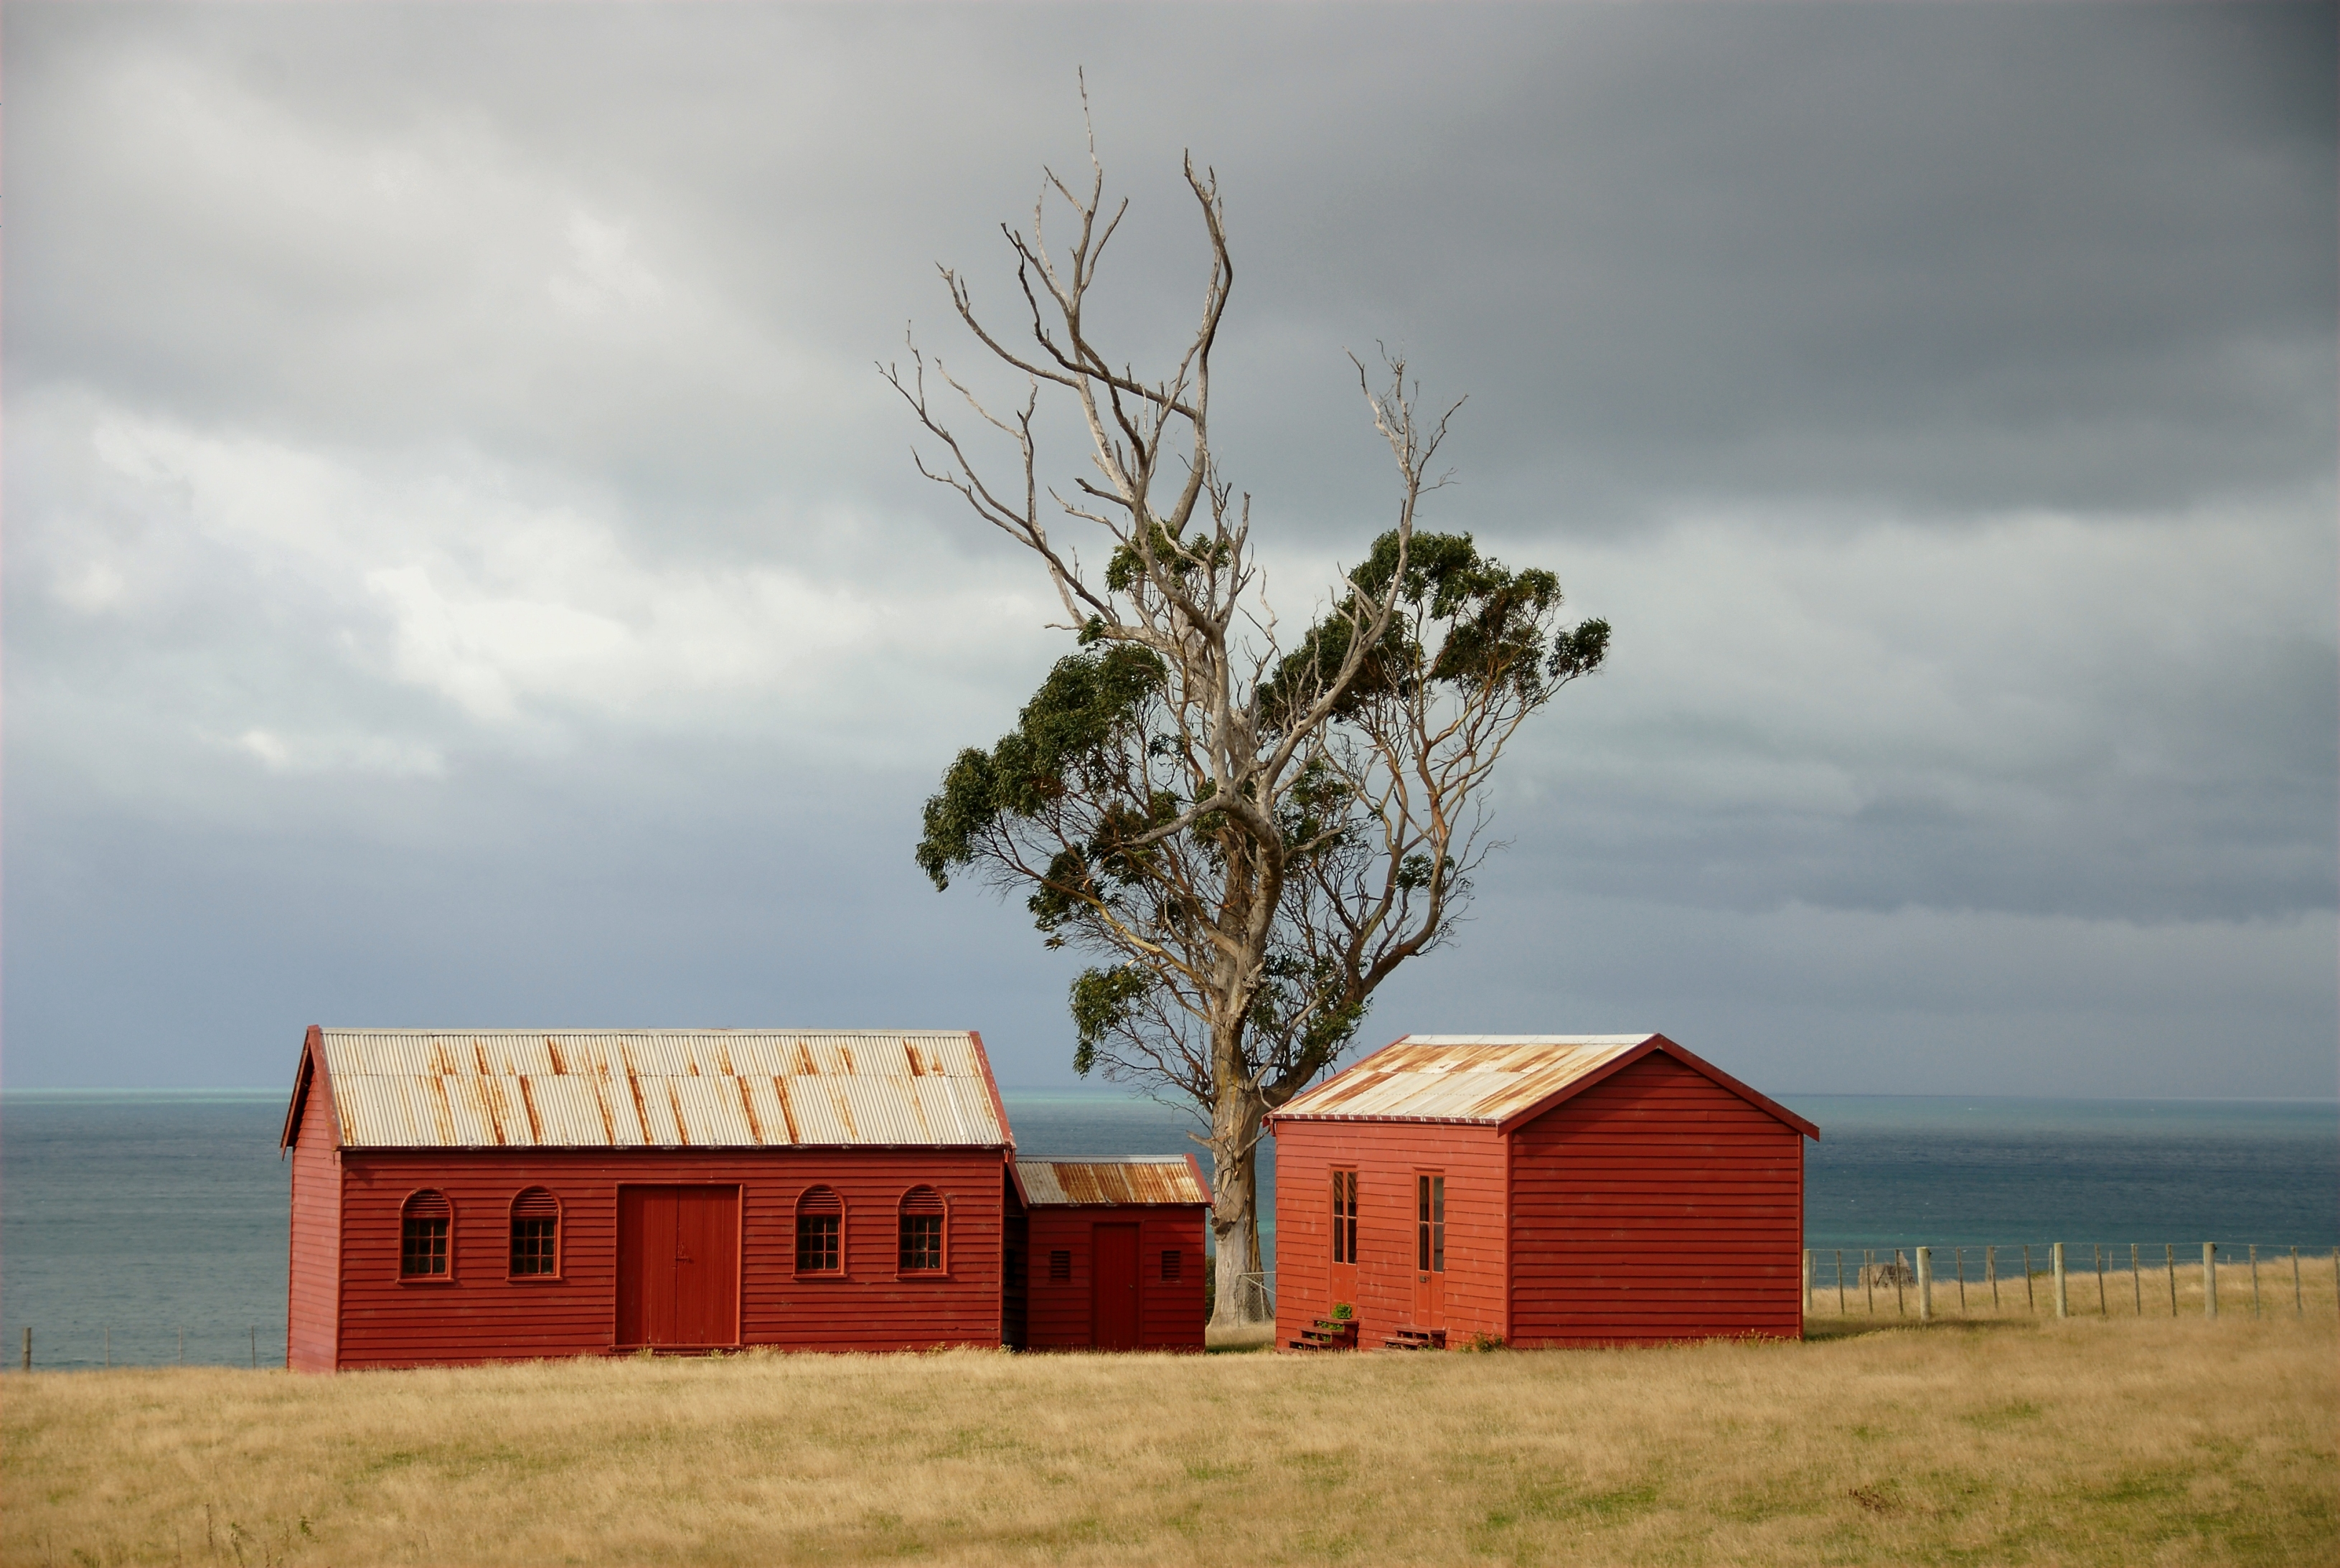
[[1110, 1254], [1541, 1189], [477, 1196]]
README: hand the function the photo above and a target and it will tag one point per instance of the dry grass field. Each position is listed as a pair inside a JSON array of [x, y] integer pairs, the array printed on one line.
[[2122, 1441]]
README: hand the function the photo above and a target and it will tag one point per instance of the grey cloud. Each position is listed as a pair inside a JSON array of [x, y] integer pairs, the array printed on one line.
[[1952, 257], [463, 563]]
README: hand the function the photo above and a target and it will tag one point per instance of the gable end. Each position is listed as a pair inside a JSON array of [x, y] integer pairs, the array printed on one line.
[[1659, 1043]]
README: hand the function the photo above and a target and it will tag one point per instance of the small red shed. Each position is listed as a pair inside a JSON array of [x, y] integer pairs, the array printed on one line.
[[1539, 1189], [463, 1196], [1111, 1255]]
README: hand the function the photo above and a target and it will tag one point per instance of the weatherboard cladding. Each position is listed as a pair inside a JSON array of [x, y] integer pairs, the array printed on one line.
[[1484, 1078], [1098, 1183], [660, 1089]]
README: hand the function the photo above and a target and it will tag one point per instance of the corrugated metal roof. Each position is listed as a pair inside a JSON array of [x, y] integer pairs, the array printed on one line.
[[1460, 1077], [1137, 1179], [702, 1088]]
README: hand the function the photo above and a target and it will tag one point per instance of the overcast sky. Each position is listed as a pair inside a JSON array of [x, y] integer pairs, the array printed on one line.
[[463, 568]]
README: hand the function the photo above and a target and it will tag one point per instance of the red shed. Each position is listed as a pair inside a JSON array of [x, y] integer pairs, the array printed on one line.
[[477, 1196], [1541, 1189], [1115, 1251]]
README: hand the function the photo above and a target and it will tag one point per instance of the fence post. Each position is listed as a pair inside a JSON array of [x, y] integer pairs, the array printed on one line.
[[1901, 1295], [1807, 1281], [2030, 1294], [1991, 1269], [2209, 1279], [2254, 1279], [1868, 1278], [2298, 1300], [1959, 1262], [1925, 1284], [2169, 1257], [2136, 1278], [29, 1347], [2097, 1247], [2062, 1307], [1840, 1278]]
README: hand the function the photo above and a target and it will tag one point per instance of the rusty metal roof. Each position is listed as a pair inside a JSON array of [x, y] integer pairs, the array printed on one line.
[[659, 1088], [1459, 1077], [1137, 1179]]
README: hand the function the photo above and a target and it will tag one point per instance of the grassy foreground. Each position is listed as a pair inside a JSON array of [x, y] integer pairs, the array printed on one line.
[[2090, 1440]]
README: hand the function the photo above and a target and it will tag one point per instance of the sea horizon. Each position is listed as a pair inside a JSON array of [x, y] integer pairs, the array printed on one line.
[[1115, 1092]]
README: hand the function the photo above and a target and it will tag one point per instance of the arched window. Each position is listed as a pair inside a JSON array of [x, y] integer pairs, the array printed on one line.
[[922, 1230], [422, 1235], [821, 1231], [535, 1233]]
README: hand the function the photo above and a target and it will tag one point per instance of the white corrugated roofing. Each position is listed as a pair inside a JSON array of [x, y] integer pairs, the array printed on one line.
[[692, 1088], [1137, 1179], [1459, 1077]]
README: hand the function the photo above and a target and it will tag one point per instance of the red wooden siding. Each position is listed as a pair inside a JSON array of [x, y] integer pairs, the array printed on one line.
[[1654, 1206], [481, 1314], [1058, 1313], [1387, 1158], [313, 1262]]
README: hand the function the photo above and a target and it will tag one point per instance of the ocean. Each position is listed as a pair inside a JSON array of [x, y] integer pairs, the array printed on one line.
[[144, 1227]]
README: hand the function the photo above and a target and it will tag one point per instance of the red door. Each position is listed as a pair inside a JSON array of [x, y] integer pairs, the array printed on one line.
[[678, 1267], [1430, 1252], [1113, 1287], [1344, 1239]]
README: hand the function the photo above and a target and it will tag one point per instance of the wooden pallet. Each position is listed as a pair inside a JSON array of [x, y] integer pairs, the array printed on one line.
[[1406, 1337]]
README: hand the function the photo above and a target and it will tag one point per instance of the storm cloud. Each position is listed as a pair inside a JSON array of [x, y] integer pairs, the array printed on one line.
[[464, 568]]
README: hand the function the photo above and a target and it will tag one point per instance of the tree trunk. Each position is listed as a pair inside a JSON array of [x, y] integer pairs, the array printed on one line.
[[1235, 1201]]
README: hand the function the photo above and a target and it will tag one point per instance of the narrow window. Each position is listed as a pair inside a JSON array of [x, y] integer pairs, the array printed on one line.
[[1344, 1216], [1430, 1204], [922, 1230], [1060, 1265], [1173, 1260], [422, 1237], [820, 1230], [535, 1233]]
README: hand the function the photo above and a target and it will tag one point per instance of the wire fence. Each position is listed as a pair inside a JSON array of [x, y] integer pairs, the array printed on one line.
[[82, 1346], [2060, 1279]]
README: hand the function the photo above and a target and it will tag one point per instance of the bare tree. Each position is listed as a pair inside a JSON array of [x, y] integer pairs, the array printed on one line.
[[1251, 836]]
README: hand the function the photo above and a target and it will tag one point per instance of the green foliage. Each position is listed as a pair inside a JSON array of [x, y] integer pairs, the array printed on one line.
[[1102, 1001], [1076, 805], [1494, 621], [1088, 701], [1180, 558]]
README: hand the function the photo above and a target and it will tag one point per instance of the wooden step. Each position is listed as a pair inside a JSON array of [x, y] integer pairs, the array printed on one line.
[[1406, 1337], [1328, 1333]]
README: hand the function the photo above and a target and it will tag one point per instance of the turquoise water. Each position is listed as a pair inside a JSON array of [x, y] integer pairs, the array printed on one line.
[[126, 1218]]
